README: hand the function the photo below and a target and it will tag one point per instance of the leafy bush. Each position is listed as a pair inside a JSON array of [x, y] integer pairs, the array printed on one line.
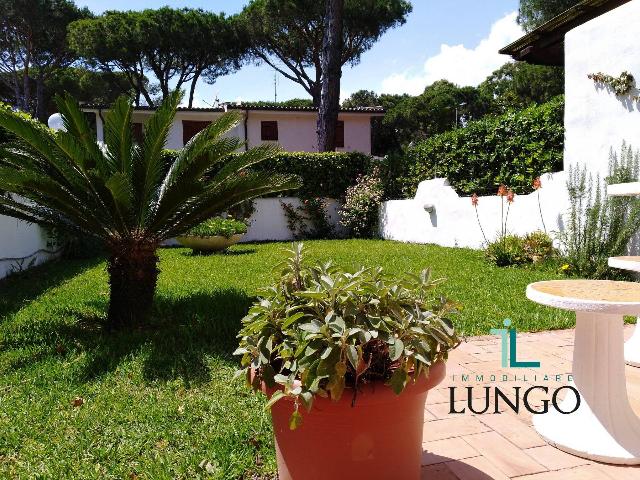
[[506, 251], [599, 226], [538, 246], [218, 226], [359, 214], [6, 136], [512, 149], [325, 175], [319, 330]]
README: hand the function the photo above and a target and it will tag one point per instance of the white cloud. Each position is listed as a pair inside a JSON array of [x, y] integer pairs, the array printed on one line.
[[459, 64]]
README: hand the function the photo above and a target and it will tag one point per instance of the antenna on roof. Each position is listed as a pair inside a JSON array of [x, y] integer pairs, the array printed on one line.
[[275, 86]]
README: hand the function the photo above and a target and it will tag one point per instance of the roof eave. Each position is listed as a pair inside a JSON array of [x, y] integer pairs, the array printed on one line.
[[545, 44]]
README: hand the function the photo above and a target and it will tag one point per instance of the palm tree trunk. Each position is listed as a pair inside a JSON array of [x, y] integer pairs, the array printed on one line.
[[133, 275]]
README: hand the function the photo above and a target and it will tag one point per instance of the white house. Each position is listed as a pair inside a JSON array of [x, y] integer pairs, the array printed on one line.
[[294, 128], [593, 36]]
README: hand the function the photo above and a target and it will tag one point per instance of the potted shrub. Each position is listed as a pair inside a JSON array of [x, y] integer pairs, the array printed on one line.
[[213, 235], [347, 360]]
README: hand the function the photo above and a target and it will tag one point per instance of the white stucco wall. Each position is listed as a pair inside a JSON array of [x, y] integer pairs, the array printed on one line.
[[21, 244], [595, 119], [269, 222], [296, 130], [453, 221]]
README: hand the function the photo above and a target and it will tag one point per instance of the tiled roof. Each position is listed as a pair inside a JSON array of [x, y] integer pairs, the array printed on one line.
[[99, 106], [245, 106], [282, 108]]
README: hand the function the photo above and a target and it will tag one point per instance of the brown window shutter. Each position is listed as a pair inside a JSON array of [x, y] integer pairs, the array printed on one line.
[[340, 134], [190, 128], [136, 132], [269, 131]]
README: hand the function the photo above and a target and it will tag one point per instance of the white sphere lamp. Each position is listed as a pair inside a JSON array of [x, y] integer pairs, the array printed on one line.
[[55, 122]]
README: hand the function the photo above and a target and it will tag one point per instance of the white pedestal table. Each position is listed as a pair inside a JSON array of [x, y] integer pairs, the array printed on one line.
[[604, 427]]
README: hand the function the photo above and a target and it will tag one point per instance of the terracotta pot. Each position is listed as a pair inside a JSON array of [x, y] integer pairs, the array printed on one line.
[[209, 244], [380, 437]]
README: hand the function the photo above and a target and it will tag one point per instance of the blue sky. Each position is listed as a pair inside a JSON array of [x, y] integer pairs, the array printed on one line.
[[454, 39]]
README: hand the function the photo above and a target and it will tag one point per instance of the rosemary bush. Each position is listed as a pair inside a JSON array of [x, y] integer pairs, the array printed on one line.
[[598, 226]]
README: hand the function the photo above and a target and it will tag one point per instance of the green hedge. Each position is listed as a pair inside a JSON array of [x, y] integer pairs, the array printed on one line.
[[6, 136], [513, 149], [323, 174], [326, 175]]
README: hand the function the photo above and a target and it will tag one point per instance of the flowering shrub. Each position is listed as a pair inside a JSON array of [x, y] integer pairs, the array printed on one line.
[[537, 185], [359, 213], [320, 330]]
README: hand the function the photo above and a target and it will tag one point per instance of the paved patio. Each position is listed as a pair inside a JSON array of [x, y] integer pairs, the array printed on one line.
[[503, 446]]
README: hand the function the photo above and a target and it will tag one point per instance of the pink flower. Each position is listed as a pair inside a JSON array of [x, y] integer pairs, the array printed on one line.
[[510, 196], [502, 190], [537, 183], [474, 200]]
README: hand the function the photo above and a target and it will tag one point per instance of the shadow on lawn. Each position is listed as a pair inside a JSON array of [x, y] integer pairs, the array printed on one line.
[[177, 343], [24, 287]]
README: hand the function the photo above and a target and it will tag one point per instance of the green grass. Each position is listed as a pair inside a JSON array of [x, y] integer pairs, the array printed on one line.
[[160, 400]]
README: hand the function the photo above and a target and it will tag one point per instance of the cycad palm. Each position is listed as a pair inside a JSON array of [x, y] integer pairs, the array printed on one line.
[[124, 193]]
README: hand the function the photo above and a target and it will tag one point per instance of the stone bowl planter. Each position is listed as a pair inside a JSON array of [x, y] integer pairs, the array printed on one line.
[[212, 244]]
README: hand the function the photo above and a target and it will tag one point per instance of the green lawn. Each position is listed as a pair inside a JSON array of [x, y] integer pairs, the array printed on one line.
[[160, 401]]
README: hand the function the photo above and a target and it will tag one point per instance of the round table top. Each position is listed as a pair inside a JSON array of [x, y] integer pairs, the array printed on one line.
[[629, 263], [605, 296]]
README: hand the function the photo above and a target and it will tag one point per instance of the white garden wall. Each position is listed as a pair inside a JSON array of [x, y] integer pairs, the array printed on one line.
[[595, 119], [21, 245], [439, 215], [269, 222]]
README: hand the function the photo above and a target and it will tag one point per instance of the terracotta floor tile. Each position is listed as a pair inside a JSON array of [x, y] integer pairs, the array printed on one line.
[[619, 472], [585, 472], [554, 459], [452, 427], [476, 468], [428, 416], [437, 472], [437, 396], [441, 410], [513, 429], [446, 450], [508, 458]]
